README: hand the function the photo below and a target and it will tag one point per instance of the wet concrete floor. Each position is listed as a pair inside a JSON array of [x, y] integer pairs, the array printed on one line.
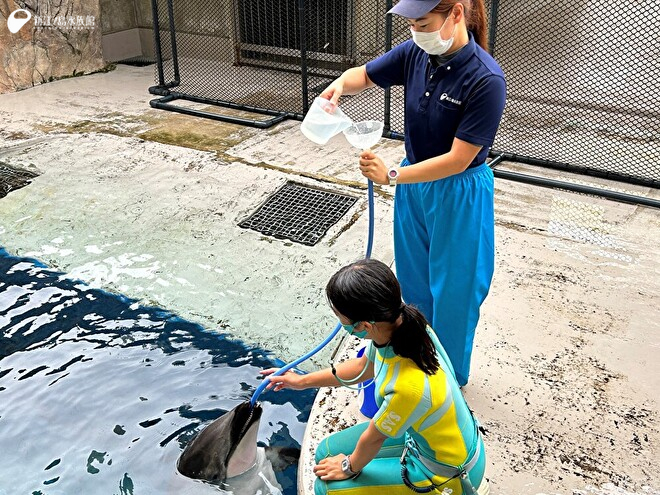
[[146, 202]]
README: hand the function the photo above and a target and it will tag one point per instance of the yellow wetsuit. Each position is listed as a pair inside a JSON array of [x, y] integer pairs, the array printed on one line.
[[425, 413]]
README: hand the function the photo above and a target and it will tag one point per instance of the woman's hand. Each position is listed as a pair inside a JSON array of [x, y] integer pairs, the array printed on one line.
[[333, 92], [290, 379], [373, 168], [351, 82], [329, 469]]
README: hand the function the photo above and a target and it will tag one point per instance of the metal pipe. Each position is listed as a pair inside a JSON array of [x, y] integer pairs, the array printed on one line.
[[556, 184], [394, 135], [237, 106], [157, 49], [163, 89], [387, 110], [567, 167], [160, 90], [165, 104], [175, 54], [495, 161]]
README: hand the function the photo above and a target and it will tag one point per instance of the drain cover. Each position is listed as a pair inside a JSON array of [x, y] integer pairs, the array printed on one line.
[[13, 178], [302, 214]]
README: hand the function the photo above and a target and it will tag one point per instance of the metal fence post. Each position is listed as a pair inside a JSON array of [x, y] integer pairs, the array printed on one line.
[[157, 47], [303, 56], [388, 93], [492, 32], [175, 55]]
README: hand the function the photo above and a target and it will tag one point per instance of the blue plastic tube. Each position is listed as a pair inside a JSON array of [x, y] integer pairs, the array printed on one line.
[[284, 369]]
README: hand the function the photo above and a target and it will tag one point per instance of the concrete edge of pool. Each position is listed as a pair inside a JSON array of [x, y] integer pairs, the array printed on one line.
[[334, 409]]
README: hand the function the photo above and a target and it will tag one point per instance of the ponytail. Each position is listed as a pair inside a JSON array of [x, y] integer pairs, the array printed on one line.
[[475, 18], [411, 340], [367, 290], [478, 23]]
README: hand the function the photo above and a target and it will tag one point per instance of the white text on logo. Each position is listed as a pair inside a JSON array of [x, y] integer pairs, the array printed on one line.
[[445, 96]]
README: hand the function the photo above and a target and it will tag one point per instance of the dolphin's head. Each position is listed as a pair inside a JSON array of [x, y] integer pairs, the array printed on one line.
[[225, 448]]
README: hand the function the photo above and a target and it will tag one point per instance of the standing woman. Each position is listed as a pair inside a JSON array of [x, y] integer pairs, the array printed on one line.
[[443, 208], [423, 436]]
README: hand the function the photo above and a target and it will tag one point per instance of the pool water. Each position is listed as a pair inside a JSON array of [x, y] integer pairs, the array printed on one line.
[[175, 244], [99, 394]]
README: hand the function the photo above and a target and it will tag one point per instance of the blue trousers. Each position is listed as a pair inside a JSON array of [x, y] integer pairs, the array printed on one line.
[[444, 250]]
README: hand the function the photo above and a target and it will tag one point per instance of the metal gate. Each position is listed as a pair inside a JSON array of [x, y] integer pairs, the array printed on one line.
[[583, 92]]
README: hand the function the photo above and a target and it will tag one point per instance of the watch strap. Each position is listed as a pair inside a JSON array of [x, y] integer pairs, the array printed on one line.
[[393, 175], [348, 469]]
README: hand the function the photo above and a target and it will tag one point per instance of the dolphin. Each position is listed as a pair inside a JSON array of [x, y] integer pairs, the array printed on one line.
[[226, 450]]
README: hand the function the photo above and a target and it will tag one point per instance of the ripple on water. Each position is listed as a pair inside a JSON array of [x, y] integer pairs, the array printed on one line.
[[98, 393]]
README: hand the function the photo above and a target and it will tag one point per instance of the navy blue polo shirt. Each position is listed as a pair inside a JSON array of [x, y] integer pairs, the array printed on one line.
[[461, 98]]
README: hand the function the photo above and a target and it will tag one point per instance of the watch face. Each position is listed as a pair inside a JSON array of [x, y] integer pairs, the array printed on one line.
[[344, 464], [392, 173]]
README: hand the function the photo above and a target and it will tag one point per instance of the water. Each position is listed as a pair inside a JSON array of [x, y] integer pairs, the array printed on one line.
[[321, 123], [364, 135], [100, 395], [176, 243]]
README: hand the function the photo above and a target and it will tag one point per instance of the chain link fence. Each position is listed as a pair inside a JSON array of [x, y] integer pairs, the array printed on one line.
[[581, 74], [582, 94]]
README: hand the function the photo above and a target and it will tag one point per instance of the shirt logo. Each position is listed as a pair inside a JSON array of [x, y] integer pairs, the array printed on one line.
[[445, 96], [391, 420]]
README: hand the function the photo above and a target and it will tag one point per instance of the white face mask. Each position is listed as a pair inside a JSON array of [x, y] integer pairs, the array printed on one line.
[[432, 43]]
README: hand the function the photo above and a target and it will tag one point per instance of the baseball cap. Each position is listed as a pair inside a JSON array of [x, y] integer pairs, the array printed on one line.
[[413, 9]]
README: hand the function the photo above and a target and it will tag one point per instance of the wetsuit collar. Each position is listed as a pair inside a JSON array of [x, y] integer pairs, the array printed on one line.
[[386, 351]]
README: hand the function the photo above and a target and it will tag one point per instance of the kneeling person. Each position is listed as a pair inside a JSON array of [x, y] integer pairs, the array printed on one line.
[[423, 436]]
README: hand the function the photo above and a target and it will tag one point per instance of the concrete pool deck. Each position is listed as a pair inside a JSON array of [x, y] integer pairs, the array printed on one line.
[[565, 370]]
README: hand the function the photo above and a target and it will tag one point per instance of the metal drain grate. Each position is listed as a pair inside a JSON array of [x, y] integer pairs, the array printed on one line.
[[299, 213], [13, 178]]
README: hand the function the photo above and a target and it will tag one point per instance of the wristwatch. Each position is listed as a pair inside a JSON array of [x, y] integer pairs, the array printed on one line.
[[346, 467], [393, 175]]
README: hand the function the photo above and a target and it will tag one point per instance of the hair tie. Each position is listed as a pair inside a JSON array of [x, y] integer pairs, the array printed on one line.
[[402, 307]]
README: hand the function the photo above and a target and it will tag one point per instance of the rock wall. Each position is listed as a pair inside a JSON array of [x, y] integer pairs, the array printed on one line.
[[61, 39]]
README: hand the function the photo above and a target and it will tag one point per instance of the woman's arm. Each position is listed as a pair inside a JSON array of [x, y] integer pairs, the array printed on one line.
[[455, 161], [366, 449], [346, 370], [351, 82]]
